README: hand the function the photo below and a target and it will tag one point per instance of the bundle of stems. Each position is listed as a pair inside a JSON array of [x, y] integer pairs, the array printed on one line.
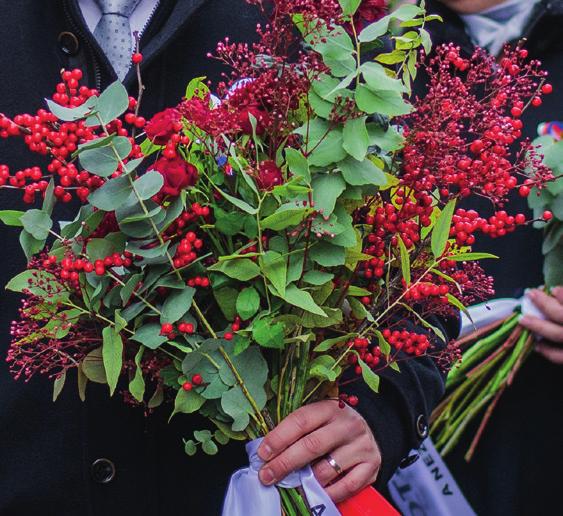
[[491, 358]]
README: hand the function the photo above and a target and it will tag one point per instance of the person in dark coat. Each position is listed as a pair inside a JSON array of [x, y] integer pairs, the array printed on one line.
[[511, 472], [102, 457]]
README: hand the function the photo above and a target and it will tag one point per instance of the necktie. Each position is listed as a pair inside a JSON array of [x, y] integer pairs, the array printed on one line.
[[113, 33], [494, 27]]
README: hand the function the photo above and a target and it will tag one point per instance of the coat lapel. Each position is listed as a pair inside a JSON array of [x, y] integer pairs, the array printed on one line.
[[180, 14]]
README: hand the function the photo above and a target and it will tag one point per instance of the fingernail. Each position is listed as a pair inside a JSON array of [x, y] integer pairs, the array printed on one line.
[[557, 291], [532, 294], [266, 476], [265, 452]]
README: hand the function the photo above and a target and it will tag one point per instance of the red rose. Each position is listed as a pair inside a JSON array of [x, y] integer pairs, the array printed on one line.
[[163, 125], [269, 175], [177, 175], [371, 10], [262, 119]]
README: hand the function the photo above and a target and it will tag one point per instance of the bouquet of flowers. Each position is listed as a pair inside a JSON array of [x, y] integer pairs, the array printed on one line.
[[245, 253], [495, 351]]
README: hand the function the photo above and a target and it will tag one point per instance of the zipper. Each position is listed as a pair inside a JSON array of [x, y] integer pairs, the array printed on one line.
[[149, 19], [83, 37]]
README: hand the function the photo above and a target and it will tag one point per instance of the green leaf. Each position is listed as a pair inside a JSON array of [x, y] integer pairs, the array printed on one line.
[[302, 299], [31, 280], [37, 223], [268, 334], [324, 368], [177, 304], [137, 384], [239, 203], [11, 217], [317, 277], [197, 88], [274, 266], [58, 385], [149, 335], [190, 448], [112, 354], [324, 142], [326, 189], [111, 194], [328, 344], [371, 379], [149, 184], [112, 103], [441, 230], [360, 173], [328, 255], [379, 28], [202, 435], [127, 290], [72, 114], [377, 78], [467, 257], [187, 402], [103, 161], [30, 245], [405, 262], [355, 138], [226, 298], [242, 269], [387, 140], [349, 7], [297, 163], [248, 303], [384, 102], [221, 437], [99, 248], [286, 215], [93, 367], [209, 447]]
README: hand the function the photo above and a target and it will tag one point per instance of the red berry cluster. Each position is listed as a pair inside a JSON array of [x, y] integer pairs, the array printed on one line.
[[425, 290], [186, 251], [198, 281], [178, 227], [196, 381], [406, 341], [45, 134]]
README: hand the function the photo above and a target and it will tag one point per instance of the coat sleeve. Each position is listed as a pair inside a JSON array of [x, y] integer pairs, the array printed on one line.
[[398, 415]]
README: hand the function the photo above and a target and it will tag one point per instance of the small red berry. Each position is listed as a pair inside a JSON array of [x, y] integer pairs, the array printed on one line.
[[137, 57], [166, 329], [524, 191], [197, 379], [228, 336], [536, 102], [353, 400], [187, 386], [547, 215], [546, 88]]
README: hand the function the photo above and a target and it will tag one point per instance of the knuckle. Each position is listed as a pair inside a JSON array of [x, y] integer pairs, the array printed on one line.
[[300, 419], [312, 444], [357, 425]]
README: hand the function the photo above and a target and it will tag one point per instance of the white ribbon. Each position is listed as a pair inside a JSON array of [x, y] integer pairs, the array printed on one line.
[[247, 496]]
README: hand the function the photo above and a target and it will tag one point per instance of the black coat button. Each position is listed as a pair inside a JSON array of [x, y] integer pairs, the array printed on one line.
[[422, 427], [69, 43], [102, 471]]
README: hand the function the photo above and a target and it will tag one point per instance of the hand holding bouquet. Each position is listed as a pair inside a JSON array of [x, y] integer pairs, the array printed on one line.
[[269, 250]]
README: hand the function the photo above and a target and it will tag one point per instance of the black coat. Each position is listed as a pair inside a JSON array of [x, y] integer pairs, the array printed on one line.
[[513, 471], [47, 450]]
